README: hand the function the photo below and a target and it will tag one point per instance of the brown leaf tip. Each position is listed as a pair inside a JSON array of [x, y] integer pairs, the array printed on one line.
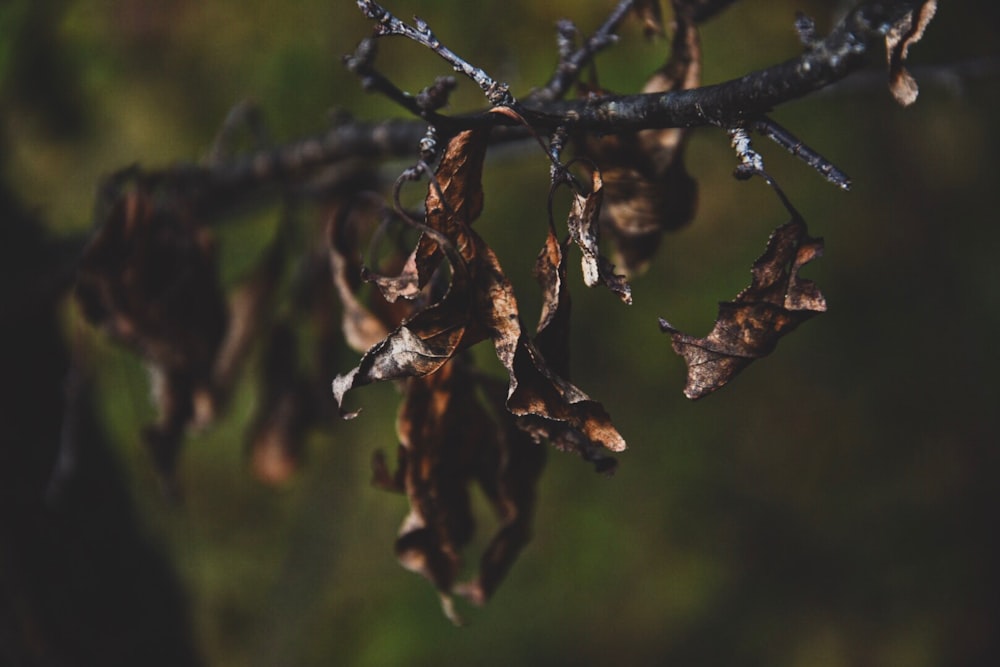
[[908, 30]]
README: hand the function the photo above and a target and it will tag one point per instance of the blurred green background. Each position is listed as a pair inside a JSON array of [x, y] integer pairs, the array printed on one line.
[[836, 505]]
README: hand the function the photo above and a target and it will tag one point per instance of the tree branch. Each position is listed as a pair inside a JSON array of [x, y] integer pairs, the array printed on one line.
[[734, 103], [727, 104]]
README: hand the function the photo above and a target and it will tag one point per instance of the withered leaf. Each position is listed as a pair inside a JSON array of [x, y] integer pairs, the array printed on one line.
[[275, 440], [552, 334], [508, 476], [420, 346], [453, 202], [651, 15], [149, 277], [547, 405], [362, 328], [447, 442], [749, 327], [648, 190], [908, 30], [428, 339], [585, 231], [552, 341]]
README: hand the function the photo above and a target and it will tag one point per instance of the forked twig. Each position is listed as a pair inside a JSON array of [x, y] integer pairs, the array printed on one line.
[[497, 93]]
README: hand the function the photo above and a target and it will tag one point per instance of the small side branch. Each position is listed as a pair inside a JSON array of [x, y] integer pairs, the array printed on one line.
[[801, 150], [571, 60], [497, 93]]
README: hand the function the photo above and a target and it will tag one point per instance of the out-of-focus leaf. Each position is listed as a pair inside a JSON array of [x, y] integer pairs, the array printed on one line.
[[362, 329], [647, 187], [908, 30], [651, 15], [148, 276], [276, 437], [250, 304], [699, 10], [749, 327], [508, 476]]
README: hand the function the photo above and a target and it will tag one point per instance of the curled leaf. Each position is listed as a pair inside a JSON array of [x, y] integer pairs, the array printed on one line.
[[552, 335], [453, 202], [448, 441], [906, 31], [418, 347], [749, 327], [548, 406], [585, 231], [480, 303]]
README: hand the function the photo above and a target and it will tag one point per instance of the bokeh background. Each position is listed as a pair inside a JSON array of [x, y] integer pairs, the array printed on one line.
[[836, 505]]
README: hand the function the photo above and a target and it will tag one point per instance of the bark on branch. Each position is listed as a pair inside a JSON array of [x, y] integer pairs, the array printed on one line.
[[847, 49]]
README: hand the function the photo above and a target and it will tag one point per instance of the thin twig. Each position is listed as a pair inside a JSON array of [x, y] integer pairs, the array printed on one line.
[[497, 93], [801, 150], [570, 64]]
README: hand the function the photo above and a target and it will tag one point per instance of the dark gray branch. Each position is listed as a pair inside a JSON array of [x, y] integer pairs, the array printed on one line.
[[728, 104], [732, 104]]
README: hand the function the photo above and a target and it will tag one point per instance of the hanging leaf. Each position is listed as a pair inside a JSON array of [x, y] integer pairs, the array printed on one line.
[[418, 347], [451, 205], [585, 232], [548, 406], [276, 438], [149, 278], [361, 327], [749, 327], [651, 15], [508, 478], [552, 335], [906, 31], [448, 441], [647, 188]]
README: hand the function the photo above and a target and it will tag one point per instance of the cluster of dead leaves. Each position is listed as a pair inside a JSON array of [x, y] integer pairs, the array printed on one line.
[[149, 278], [457, 426]]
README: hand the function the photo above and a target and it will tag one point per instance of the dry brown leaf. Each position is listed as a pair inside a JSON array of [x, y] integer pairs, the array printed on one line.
[[647, 188], [584, 229], [276, 438], [749, 327], [552, 334], [149, 277], [448, 441], [362, 328], [651, 15], [898, 39], [548, 406], [452, 204]]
